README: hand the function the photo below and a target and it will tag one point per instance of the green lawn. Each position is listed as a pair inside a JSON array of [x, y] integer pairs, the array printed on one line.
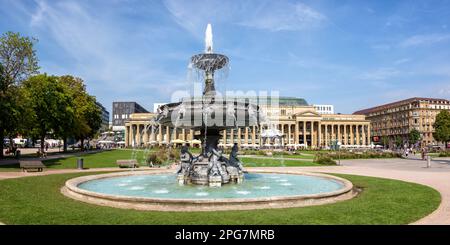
[[270, 162], [99, 160], [309, 156], [108, 159], [37, 200], [91, 160]]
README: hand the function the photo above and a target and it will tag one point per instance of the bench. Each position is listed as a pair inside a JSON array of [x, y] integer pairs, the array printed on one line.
[[128, 163], [27, 165]]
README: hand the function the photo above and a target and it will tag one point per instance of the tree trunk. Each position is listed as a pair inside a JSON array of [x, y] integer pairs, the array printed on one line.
[[82, 144], [65, 144], [2, 135], [42, 143]]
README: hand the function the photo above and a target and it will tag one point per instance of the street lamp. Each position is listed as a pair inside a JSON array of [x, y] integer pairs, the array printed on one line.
[[338, 145]]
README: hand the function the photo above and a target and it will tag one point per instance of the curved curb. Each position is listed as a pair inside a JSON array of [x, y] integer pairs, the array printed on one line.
[[186, 205]]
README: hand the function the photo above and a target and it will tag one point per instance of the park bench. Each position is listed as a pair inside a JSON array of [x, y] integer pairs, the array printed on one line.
[[128, 163], [27, 165]]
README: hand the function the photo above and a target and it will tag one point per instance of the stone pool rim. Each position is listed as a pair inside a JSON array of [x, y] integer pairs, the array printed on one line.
[[71, 189]]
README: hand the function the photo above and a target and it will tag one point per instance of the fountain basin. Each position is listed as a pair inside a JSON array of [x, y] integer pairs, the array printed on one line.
[[158, 190]]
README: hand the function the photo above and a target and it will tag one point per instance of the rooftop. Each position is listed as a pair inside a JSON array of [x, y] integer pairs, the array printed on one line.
[[397, 103]]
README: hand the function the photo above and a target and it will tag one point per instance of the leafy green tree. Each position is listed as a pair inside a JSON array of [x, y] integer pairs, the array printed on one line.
[[17, 62], [442, 127], [87, 118], [414, 136], [385, 140], [398, 141], [18, 57], [51, 106]]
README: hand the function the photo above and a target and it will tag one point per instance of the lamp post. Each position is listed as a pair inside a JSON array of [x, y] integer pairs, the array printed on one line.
[[338, 145]]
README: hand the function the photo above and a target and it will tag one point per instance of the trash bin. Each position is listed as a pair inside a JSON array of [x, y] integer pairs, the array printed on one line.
[[80, 163]]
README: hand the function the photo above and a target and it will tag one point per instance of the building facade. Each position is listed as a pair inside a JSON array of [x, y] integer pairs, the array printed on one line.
[[298, 124], [105, 117], [397, 119], [123, 110], [121, 113]]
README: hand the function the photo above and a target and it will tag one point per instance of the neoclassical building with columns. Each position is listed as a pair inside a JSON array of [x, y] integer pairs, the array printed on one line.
[[292, 121]]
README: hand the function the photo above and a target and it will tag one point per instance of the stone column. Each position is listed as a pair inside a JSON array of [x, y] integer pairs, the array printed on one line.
[[326, 134], [167, 134], [127, 138], [304, 132], [357, 135], [313, 140], [191, 134], [145, 138], [239, 138], [333, 136], [160, 135], [232, 136], [319, 134], [339, 138], [363, 131], [368, 134], [224, 138], [289, 134], [132, 141], [352, 138], [152, 134], [296, 132], [254, 135], [246, 136], [345, 135], [183, 134]]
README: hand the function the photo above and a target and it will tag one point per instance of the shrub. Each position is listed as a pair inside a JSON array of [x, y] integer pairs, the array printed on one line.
[[153, 158], [444, 154], [361, 155], [324, 159], [163, 156]]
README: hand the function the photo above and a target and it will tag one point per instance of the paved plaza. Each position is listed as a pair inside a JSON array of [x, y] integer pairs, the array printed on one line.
[[411, 170]]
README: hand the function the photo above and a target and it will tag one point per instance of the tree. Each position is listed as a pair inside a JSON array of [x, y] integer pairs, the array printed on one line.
[[51, 106], [17, 62], [442, 127], [87, 118], [398, 141], [385, 140], [18, 57], [91, 120], [414, 136]]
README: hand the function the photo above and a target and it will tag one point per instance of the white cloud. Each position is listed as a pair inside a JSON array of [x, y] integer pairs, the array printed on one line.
[[380, 74], [427, 39], [194, 15], [401, 61], [102, 53], [284, 16], [267, 15]]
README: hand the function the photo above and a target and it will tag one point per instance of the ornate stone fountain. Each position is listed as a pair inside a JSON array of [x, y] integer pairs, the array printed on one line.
[[210, 114]]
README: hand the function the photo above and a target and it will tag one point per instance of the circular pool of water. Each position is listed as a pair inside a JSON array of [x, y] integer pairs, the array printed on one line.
[[255, 185], [144, 190]]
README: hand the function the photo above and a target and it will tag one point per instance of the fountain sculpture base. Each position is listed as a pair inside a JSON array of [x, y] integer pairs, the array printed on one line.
[[200, 174]]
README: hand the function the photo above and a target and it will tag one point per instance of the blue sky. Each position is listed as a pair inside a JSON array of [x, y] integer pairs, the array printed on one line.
[[353, 54]]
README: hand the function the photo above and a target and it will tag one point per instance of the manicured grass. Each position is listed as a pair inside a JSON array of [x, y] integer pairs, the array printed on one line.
[[37, 200], [100, 159], [274, 162], [309, 156], [91, 160]]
